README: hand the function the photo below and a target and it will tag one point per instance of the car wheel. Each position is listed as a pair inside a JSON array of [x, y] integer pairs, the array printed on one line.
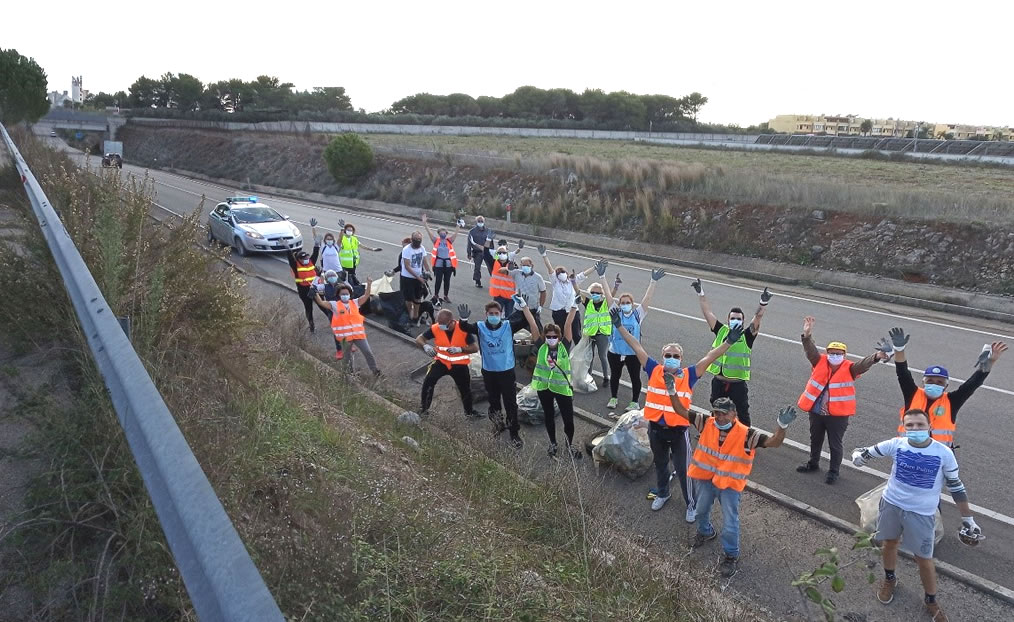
[[211, 236], [240, 249]]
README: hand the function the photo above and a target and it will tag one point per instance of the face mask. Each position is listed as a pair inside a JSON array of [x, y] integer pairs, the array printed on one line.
[[671, 364], [735, 323], [444, 326], [526, 269], [597, 297], [480, 225], [552, 341], [562, 277], [502, 256], [443, 234], [329, 242], [934, 390], [332, 280], [835, 359], [626, 307], [349, 232], [305, 261], [917, 436], [416, 243], [344, 297], [723, 426], [494, 320]]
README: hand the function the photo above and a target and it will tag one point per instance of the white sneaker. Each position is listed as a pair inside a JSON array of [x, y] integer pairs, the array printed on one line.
[[691, 515], [657, 504]]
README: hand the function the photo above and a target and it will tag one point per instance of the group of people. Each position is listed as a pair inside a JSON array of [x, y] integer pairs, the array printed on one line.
[[718, 468]]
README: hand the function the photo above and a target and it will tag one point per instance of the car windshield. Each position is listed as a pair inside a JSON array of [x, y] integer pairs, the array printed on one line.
[[249, 215]]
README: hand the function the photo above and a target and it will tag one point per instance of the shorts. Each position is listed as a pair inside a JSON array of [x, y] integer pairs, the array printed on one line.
[[917, 528], [411, 289]]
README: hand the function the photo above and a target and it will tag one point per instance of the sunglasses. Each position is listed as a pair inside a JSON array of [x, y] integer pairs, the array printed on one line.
[[670, 356], [552, 336]]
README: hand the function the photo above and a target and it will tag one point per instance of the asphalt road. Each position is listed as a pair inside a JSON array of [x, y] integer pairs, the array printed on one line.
[[780, 368]]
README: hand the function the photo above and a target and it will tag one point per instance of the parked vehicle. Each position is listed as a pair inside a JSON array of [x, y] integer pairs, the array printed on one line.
[[250, 226]]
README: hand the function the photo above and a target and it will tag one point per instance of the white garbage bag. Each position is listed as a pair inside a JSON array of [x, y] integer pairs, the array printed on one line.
[[580, 367], [383, 285], [475, 365], [869, 510], [626, 446], [530, 408]]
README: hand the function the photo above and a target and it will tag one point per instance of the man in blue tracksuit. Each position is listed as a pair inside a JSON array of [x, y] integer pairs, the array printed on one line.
[[496, 345]]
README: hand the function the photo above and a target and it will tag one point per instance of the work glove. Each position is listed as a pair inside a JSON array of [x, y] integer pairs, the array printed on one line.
[[460, 222], [698, 287], [341, 224], [542, 249], [313, 222], [657, 274], [600, 267], [614, 315], [734, 335], [983, 363], [786, 416], [430, 350], [859, 457], [520, 301], [454, 350], [670, 383], [464, 312], [765, 297], [899, 339], [521, 244], [885, 346], [311, 293], [970, 533]]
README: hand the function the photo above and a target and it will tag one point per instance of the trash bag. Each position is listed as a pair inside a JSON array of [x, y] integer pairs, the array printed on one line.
[[383, 285], [530, 408], [475, 377], [580, 367], [869, 510], [626, 446]]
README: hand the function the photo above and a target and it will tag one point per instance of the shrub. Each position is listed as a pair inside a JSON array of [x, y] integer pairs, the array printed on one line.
[[348, 158]]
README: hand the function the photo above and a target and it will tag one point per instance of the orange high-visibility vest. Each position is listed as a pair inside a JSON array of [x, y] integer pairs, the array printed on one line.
[[657, 405], [500, 285], [347, 322], [727, 465], [304, 275], [941, 423], [841, 388], [458, 340], [450, 252]]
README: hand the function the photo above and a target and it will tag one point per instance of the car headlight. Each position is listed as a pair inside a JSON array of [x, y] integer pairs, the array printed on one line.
[[253, 234]]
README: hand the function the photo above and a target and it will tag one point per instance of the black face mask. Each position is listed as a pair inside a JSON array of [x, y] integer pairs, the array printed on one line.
[[416, 243]]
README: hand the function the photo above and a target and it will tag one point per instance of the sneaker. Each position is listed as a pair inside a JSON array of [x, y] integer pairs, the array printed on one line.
[[376, 373], [575, 453], [473, 414], [313, 329], [496, 417], [446, 299], [885, 593], [339, 355], [516, 442], [831, 477], [611, 404], [632, 406], [657, 504], [807, 467], [425, 412], [701, 539], [729, 566], [605, 383], [552, 450], [936, 613], [691, 515], [478, 284]]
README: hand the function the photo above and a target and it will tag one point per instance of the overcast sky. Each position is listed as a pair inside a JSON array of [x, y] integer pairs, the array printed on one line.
[[928, 60]]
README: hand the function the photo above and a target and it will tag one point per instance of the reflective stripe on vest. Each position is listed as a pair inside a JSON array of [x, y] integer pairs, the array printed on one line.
[[304, 275], [497, 346], [658, 406], [942, 424], [349, 253], [727, 465], [500, 285], [459, 339], [597, 322], [450, 252], [347, 322], [555, 378], [735, 363], [841, 400]]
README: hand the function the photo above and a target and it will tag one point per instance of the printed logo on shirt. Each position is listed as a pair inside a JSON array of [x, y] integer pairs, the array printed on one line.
[[916, 469]]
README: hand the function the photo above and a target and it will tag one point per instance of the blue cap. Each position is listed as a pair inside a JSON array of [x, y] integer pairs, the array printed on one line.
[[936, 370]]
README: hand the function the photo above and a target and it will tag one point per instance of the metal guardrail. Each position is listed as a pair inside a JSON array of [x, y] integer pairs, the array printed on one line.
[[221, 579]]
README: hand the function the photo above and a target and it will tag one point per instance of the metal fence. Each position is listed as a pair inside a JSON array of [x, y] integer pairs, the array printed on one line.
[[217, 571]]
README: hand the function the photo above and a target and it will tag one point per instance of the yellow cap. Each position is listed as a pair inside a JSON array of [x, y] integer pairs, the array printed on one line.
[[837, 345]]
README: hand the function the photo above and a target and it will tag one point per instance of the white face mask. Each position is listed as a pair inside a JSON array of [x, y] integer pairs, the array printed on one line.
[[349, 232], [562, 277], [552, 341], [329, 242], [835, 359]]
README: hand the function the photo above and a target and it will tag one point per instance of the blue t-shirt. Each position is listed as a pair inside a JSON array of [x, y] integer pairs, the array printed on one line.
[[652, 364]]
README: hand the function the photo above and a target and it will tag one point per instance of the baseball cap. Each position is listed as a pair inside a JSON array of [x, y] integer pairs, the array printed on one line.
[[837, 345], [936, 370], [723, 404]]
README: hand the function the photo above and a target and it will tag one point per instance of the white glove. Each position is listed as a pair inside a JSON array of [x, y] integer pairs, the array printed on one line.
[[857, 458], [454, 350], [428, 349]]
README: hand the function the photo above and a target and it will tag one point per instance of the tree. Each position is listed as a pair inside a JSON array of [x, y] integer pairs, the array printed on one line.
[[866, 127], [100, 100], [489, 106], [144, 93], [461, 105], [270, 92], [22, 88], [348, 157], [997, 135], [188, 91], [322, 99], [692, 104]]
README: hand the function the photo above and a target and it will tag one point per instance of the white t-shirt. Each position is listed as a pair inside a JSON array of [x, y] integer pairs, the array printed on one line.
[[415, 260], [563, 292], [917, 476], [329, 258]]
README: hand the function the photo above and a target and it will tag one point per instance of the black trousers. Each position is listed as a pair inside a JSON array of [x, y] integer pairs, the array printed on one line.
[[502, 391], [308, 304], [616, 364], [738, 392], [442, 276], [834, 428], [566, 403], [518, 313], [478, 259], [671, 444], [462, 379], [352, 278], [560, 318]]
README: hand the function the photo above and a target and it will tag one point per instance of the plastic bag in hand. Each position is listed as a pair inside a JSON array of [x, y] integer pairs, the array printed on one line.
[[580, 367]]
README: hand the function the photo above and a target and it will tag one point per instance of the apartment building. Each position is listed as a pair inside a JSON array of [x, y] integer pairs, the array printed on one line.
[[851, 125]]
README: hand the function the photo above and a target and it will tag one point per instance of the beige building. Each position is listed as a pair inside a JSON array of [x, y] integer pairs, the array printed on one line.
[[851, 125]]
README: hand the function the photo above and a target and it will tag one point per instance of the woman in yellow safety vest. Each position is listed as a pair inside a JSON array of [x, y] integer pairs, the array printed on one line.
[[598, 327], [348, 250], [551, 380], [444, 259]]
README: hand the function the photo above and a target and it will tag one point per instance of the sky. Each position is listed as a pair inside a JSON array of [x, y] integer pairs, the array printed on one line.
[[924, 61]]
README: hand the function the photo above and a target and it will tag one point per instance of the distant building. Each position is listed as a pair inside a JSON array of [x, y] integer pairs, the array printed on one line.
[[56, 99], [77, 94], [851, 125]]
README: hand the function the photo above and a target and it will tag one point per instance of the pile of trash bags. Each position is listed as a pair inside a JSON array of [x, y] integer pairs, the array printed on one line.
[[580, 367], [626, 446], [869, 509], [530, 408]]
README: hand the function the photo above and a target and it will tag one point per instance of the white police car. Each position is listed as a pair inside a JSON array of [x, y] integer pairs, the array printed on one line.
[[251, 226]]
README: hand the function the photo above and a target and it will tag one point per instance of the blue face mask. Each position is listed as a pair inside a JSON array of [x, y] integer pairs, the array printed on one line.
[[345, 297], [494, 320], [597, 297], [444, 326], [917, 436], [723, 426], [626, 308], [526, 269], [735, 323], [671, 364], [934, 390], [332, 280]]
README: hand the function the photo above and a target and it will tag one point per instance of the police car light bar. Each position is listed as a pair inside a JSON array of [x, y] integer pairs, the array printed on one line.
[[241, 200]]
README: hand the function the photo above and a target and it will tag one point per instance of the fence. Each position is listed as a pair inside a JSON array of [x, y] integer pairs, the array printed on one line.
[[217, 571]]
